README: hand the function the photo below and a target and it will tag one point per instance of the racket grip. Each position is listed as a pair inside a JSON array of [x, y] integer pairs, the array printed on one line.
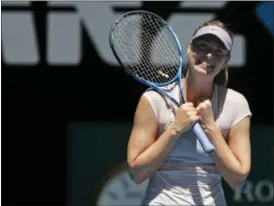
[[204, 141]]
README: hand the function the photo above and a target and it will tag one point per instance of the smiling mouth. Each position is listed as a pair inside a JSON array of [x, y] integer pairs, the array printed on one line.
[[207, 65]]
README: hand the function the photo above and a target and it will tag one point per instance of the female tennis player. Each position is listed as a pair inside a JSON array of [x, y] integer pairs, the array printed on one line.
[[162, 146]]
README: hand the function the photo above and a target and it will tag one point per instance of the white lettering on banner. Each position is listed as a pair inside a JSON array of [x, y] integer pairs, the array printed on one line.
[[19, 40], [263, 191], [202, 4], [64, 33], [96, 17], [15, 3], [63, 44]]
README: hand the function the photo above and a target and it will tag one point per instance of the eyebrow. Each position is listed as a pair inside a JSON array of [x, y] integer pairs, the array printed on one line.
[[219, 45]]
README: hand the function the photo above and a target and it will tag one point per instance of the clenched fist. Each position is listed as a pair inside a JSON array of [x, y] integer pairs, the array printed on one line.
[[205, 112], [185, 117]]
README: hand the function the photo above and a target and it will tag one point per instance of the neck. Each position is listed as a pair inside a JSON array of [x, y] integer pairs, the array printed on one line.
[[197, 88]]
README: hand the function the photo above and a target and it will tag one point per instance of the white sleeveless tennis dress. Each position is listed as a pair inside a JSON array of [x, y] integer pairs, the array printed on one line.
[[189, 176]]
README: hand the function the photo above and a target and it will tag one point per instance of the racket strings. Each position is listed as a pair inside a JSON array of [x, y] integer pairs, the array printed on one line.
[[143, 63], [147, 48], [153, 27]]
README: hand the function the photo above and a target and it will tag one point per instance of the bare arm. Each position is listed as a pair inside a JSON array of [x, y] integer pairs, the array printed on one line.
[[146, 151], [233, 158]]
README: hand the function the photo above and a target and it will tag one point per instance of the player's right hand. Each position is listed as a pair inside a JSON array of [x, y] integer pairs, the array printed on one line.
[[185, 116]]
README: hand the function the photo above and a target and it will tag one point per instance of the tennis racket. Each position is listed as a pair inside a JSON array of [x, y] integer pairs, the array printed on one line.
[[148, 49]]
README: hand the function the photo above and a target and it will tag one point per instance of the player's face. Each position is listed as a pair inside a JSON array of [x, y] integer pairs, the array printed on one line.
[[208, 55]]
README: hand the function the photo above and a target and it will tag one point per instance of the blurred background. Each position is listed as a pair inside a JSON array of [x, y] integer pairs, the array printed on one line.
[[67, 106]]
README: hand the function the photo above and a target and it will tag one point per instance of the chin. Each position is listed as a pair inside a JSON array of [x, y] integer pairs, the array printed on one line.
[[200, 70]]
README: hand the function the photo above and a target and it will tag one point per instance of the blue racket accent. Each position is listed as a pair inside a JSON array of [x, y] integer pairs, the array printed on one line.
[[133, 40]]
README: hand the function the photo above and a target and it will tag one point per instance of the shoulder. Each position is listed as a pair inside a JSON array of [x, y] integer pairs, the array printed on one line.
[[235, 106], [158, 101], [155, 100], [236, 97], [151, 94], [232, 96]]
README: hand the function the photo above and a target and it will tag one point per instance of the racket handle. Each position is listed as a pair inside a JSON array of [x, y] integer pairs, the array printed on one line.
[[204, 141]]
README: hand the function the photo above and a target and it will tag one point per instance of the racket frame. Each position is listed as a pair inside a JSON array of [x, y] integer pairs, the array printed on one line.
[[155, 86]]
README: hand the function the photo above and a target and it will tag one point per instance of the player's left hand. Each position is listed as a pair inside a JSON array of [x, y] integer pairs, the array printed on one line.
[[204, 110]]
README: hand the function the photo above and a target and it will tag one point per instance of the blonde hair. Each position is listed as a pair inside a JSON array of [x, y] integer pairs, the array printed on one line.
[[222, 77]]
